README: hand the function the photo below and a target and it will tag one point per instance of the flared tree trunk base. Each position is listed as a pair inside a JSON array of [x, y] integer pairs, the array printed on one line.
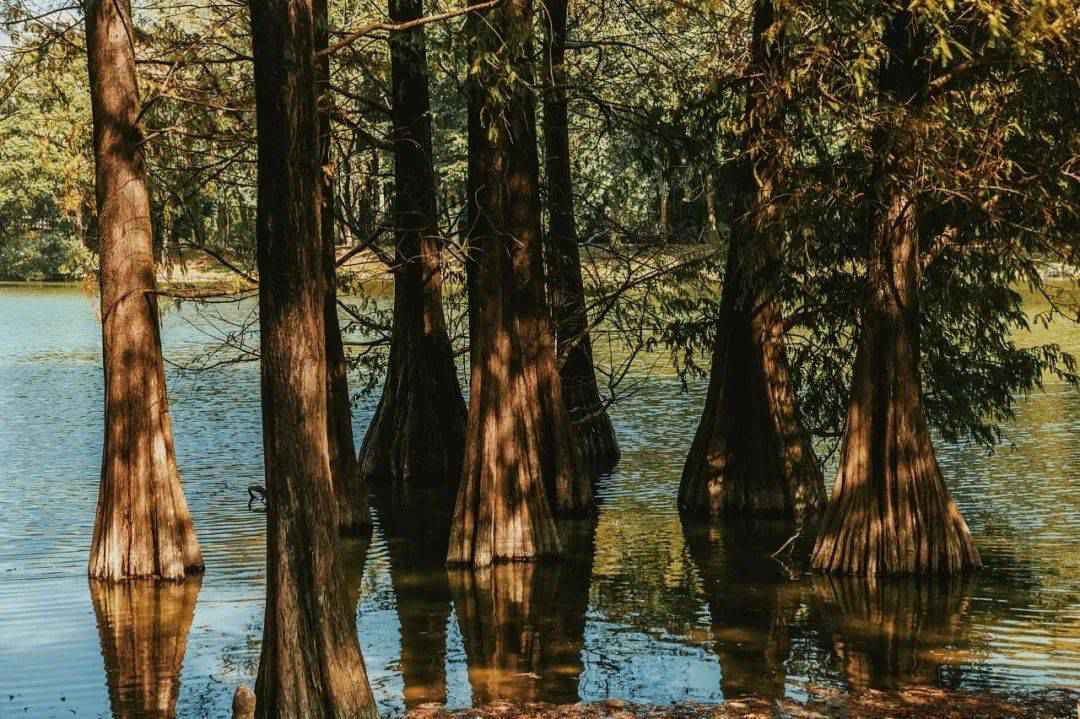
[[593, 432]]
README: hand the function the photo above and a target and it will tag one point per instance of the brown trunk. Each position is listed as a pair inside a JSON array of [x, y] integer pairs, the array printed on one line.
[[751, 456], [518, 433], [523, 624], [890, 512], [566, 291], [751, 601], [350, 489], [416, 526], [310, 666], [144, 630], [143, 527], [895, 633], [417, 435]]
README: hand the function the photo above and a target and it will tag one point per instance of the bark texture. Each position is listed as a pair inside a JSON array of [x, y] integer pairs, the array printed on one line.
[[751, 456], [890, 512], [893, 634], [752, 603], [143, 527], [518, 446], [416, 525], [417, 435], [523, 624], [144, 628], [351, 490], [310, 666], [593, 431]]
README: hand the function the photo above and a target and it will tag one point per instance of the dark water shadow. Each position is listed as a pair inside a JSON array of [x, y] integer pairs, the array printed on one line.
[[523, 623], [144, 626], [895, 633], [752, 601]]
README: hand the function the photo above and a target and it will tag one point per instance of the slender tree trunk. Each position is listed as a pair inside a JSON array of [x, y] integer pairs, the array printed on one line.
[[143, 527], [518, 437], [144, 631], [751, 456], [418, 432], [350, 489], [890, 512], [566, 291], [310, 666]]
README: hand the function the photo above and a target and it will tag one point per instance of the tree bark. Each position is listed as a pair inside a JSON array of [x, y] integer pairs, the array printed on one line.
[[351, 490], [523, 624], [890, 512], [143, 527], [518, 448], [566, 291], [310, 666], [417, 435], [751, 456], [144, 630]]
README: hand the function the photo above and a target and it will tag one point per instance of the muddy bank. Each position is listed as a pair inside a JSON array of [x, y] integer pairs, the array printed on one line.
[[825, 704]]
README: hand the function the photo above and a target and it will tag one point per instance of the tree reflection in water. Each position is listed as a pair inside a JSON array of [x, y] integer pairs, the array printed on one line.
[[523, 623], [895, 633], [752, 602], [144, 627]]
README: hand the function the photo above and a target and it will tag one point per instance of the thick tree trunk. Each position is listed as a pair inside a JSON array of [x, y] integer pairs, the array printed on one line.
[[523, 623], [417, 435], [890, 512], [895, 633], [752, 603], [143, 527], [751, 456], [310, 666], [416, 525], [144, 630], [566, 291], [518, 447], [351, 490]]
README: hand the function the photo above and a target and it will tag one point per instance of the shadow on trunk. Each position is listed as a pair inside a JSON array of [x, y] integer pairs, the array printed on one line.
[[144, 628]]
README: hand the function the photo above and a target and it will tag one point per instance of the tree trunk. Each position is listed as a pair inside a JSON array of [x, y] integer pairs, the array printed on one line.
[[566, 291], [351, 490], [144, 630], [416, 525], [752, 603], [890, 512], [751, 456], [523, 624], [518, 448], [310, 666], [417, 435], [143, 527]]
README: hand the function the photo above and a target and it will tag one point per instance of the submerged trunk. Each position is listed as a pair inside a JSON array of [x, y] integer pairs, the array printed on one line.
[[518, 447], [592, 427], [143, 527], [351, 491], [310, 665], [144, 631], [751, 456], [417, 435], [890, 512]]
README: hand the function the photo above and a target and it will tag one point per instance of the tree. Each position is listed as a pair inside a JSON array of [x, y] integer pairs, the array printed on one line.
[[417, 435], [890, 512], [143, 527], [144, 630], [310, 665], [751, 455], [566, 291], [518, 448], [349, 486]]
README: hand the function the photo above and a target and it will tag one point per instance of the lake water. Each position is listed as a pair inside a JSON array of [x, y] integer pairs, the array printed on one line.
[[648, 610]]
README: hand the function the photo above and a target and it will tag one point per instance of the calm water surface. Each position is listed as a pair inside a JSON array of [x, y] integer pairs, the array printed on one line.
[[648, 609]]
